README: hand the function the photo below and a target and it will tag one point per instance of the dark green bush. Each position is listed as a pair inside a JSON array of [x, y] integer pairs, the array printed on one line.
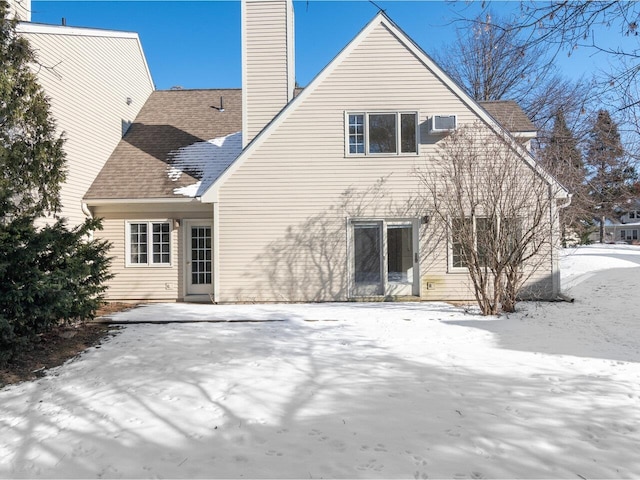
[[48, 276]]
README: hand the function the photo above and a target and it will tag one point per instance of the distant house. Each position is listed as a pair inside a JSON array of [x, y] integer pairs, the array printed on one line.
[[273, 194], [97, 81], [625, 228]]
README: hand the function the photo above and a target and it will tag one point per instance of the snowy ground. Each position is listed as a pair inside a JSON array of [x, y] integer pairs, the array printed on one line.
[[349, 390]]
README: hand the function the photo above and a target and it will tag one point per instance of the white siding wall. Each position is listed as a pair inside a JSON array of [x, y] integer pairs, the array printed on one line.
[[268, 62], [157, 283], [283, 234], [20, 9], [88, 78]]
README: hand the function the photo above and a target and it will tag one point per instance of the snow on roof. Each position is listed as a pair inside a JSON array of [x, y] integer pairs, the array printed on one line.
[[203, 160]]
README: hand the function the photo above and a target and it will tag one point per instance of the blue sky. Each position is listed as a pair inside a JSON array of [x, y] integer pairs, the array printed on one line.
[[197, 44]]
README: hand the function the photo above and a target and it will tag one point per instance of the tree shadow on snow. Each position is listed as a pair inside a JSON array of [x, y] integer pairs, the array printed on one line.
[[251, 400]]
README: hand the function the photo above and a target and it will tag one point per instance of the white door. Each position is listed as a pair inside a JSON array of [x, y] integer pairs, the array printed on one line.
[[199, 271]]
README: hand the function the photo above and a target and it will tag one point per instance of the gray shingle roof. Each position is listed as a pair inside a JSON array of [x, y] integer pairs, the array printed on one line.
[[181, 141], [161, 155], [510, 115]]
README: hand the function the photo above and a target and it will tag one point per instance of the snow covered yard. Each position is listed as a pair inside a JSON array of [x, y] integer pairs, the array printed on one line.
[[349, 390]]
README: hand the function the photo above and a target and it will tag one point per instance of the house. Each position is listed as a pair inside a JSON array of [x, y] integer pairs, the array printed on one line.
[[273, 194], [96, 81], [625, 228]]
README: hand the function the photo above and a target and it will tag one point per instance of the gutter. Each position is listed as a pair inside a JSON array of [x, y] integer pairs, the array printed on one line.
[[120, 201]]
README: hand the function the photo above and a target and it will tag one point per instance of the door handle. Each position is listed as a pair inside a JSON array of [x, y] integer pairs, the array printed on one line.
[[415, 257]]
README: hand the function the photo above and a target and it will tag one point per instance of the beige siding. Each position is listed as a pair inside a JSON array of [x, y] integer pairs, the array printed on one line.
[[283, 213], [88, 79], [20, 9], [268, 61], [157, 283]]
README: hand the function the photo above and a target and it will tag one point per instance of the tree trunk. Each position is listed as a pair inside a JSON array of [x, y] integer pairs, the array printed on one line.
[[602, 220]]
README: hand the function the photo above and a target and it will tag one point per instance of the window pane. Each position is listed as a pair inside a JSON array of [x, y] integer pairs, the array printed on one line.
[[201, 255], [356, 133], [382, 133], [400, 253], [484, 243], [367, 251], [161, 243], [458, 235], [408, 133], [138, 243]]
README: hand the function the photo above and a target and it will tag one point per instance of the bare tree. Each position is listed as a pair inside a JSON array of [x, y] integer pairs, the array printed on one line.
[[493, 61], [499, 212], [569, 25], [563, 26]]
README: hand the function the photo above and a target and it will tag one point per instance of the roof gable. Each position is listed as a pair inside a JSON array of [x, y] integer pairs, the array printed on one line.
[[380, 19]]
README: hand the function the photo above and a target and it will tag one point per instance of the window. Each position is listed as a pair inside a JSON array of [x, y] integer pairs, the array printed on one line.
[[484, 234], [623, 235], [388, 133], [632, 214], [149, 243], [356, 133]]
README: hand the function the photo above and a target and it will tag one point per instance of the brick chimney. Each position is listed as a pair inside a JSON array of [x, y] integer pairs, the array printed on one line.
[[268, 73]]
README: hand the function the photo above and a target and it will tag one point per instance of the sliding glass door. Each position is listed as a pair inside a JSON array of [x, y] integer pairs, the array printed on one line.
[[384, 256]]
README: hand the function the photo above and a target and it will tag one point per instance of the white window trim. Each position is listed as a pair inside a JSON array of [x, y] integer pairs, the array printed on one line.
[[465, 269], [150, 263], [367, 153]]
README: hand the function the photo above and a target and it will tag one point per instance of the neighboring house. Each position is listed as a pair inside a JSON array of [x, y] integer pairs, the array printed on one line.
[[305, 204], [97, 81], [625, 228]]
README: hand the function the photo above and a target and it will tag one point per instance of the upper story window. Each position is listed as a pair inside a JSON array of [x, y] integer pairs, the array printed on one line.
[[149, 243], [384, 133]]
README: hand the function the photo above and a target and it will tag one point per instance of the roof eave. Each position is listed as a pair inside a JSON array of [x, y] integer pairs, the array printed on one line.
[[97, 202]]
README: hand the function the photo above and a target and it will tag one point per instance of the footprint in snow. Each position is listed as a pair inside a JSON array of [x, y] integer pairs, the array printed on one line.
[[371, 465]]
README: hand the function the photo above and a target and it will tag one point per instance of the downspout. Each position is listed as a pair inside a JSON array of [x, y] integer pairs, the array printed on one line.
[[555, 244], [216, 253], [85, 209]]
